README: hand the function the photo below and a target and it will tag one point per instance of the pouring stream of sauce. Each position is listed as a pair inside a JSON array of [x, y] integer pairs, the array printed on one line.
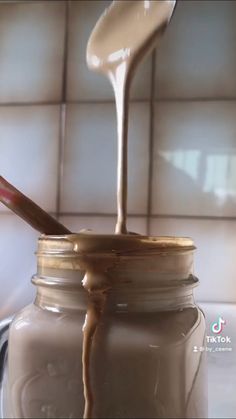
[[123, 35]]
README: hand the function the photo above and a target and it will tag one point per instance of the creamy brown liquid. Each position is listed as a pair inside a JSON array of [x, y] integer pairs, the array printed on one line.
[[138, 341], [97, 285], [141, 364], [122, 37]]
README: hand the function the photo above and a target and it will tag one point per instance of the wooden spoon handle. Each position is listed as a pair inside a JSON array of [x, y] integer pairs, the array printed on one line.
[[29, 211]]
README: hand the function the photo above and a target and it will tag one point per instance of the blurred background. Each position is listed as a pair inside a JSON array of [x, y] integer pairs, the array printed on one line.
[[58, 142]]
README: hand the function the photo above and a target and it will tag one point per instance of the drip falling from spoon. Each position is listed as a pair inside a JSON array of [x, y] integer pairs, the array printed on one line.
[[123, 35]]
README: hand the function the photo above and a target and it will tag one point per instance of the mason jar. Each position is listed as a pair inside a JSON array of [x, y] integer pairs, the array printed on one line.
[[144, 356]]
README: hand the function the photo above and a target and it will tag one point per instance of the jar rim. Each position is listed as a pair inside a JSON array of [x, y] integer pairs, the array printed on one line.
[[86, 242]]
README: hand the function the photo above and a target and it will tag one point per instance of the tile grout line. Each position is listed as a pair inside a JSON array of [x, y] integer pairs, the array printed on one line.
[[68, 102], [97, 214], [26, 1], [60, 169], [151, 137], [194, 217], [137, 215], [112, 102], [65, 57], [62, 121]]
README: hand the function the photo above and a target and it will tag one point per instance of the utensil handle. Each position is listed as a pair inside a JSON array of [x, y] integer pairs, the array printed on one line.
[[35, 216]]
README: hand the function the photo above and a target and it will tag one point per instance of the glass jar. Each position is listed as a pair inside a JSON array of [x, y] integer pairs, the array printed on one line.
[[144, 358]]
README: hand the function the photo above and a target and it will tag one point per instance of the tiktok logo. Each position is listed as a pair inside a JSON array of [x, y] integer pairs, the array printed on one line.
[[217, 327]]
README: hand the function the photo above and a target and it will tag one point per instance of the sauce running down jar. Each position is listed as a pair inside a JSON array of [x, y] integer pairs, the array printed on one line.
[[112, 332]]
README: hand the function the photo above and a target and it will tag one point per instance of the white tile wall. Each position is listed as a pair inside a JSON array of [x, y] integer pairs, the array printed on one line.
[[195, 158], [31, 51], [194, 163], [89, 183], [197, 57], [102, 225], [215, 255], [29, 138], [82, 83], [18, 263]]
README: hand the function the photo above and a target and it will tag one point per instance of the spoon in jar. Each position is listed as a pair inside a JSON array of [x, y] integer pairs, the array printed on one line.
[[35, 216], [123, 35]]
